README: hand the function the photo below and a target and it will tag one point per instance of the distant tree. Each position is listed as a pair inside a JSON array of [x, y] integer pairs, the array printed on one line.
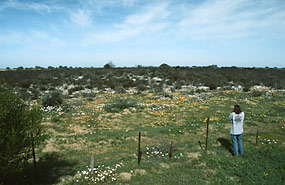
[[21, 68], [38, 68], [109, 65], [164, 66], [8, 68], [20, 129]]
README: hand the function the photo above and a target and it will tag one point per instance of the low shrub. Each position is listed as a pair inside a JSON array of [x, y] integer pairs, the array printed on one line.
[[35, 94], [23, 94], [119, 104], [53, 98], [141, 87], [89, 95], [120, 89], [167, 95]]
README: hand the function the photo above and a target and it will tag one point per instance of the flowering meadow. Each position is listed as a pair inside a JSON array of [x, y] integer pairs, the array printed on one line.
[[106, 126]]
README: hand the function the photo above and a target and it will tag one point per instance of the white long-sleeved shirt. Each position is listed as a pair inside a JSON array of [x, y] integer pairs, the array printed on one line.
[[237, 123]]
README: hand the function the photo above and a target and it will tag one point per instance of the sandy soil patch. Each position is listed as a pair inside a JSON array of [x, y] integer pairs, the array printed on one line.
[[125, 176], [79, 129], [249, 102], [126, 111], [50, 146], [81, 118], [47, 123], [193, 155], [164, 165], [140, 171]]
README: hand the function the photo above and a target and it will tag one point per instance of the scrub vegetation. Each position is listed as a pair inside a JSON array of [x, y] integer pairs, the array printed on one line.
[[93, 116], [31, 83]]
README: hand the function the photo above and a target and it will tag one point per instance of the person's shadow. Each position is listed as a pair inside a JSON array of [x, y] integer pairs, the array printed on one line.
[[226, 144]]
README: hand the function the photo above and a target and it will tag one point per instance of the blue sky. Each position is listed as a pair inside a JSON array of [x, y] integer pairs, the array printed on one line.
[[83, 33]]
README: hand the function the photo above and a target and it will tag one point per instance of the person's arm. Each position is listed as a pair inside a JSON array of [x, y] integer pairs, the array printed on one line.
[[231, 116]]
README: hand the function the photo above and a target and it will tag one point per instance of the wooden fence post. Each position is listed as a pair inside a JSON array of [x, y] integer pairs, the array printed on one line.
[[207, 133], [139, 149], [170, 150], [256, 139], [92, 162]]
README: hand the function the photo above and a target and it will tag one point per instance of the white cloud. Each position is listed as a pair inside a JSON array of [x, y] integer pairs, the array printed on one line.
[[232, 19], [108, 3], [205, 20], [38, 7], [34, 40], [151, 13], [128, 3], [151, 20], [81, 18]]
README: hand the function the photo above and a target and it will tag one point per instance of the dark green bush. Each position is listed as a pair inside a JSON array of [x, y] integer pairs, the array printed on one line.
[[128, 83], [167, 95], [35, 94], [141, 87], [19, 127], [53, 98], [257, 93], [25, 84], [23, 94], [89, 95], [120, 89], [77, 88], [119, 104], [247, 87], [158, 88], [43, 88], [177, 85]]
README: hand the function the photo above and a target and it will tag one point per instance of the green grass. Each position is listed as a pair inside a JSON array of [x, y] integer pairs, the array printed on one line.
[[111, 136]]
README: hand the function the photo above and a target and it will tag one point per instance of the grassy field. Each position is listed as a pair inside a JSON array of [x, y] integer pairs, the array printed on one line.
[[106, 126]]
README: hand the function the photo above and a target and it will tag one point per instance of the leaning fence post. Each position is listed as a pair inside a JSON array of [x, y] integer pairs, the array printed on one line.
[[170, 150], [256, 139], [92, 162], [207, 133], [139, 149]]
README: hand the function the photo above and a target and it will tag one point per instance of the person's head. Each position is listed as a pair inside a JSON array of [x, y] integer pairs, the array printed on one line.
[[237, 109]]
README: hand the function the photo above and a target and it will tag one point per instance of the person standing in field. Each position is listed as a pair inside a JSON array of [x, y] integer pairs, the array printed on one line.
[[237, 118]]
